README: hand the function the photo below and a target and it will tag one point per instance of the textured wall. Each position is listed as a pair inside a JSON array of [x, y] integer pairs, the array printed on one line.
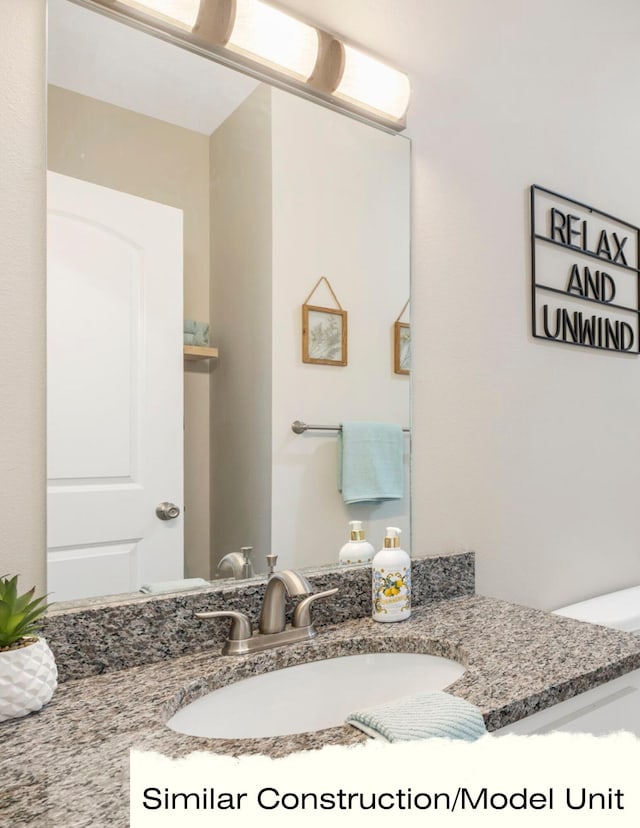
[[22, 280]]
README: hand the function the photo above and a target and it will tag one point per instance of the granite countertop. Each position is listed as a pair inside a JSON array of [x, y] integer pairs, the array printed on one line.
[[68, 764]]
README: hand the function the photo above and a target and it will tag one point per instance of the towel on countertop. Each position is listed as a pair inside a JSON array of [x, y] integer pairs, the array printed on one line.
[[422, 716], [174, 586], [370, 462]]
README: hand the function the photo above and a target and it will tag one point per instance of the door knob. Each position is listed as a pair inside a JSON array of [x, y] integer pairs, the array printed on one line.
[[167, 511]]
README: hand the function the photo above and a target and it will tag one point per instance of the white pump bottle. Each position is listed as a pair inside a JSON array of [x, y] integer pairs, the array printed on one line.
[[357, 550]]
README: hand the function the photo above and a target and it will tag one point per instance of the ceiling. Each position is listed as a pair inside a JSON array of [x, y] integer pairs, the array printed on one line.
[[96, 56]]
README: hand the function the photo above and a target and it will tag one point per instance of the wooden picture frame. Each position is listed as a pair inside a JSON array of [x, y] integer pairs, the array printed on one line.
[[402, 348], [324, 335]]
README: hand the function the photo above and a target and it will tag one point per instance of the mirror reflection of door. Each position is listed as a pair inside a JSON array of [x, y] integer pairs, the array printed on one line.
[[114, 351]]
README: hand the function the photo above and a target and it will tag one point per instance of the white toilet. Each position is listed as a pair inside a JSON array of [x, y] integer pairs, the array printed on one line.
[[620, 610], [606, 709]]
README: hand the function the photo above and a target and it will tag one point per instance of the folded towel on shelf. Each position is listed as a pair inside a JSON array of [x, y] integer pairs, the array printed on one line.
[[198, 332], [174, 586], [423, 716], [370, 462], [202, 333]]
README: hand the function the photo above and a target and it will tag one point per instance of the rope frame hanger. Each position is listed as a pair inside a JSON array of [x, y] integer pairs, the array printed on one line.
[[331, 291]]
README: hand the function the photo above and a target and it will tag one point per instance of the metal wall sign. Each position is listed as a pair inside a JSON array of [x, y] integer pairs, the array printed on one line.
[[585, 275]]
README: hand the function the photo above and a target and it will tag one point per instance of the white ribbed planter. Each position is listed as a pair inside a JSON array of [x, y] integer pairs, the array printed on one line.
[[28, 677]]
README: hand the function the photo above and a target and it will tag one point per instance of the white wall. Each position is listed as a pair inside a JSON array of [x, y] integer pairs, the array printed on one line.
[[22, 280], [526, 451], [341, 207]]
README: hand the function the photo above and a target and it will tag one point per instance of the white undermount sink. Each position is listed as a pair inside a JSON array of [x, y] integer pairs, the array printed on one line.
[[312, 696]]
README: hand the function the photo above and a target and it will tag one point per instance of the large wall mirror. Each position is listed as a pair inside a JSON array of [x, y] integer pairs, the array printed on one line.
[[179, 189]]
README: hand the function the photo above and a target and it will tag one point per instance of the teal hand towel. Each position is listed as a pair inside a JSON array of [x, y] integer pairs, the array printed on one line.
[[370, 462], [189, 339], [423, 716], [174, 586], [189, 326]]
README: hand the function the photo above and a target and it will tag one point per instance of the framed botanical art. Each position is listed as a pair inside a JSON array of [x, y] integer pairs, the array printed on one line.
[[324, 332], [402, 344], [402, 348]]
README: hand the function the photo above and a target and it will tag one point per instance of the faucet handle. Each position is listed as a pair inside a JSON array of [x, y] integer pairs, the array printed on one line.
[[302, 612], [240, 624]]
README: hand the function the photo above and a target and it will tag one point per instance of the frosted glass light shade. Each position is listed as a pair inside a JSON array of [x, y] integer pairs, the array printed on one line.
[[268, 35], [183, 13], [366, 81]]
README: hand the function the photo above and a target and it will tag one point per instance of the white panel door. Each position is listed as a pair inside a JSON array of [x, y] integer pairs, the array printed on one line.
[[114, 388]]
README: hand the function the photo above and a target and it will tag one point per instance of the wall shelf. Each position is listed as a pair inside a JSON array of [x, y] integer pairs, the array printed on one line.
[[194, 352]]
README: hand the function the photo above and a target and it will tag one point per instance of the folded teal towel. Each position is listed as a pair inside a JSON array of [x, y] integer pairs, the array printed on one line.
[[174, 586], [202, 333], [196, 333], [370, 462], [422, 716]]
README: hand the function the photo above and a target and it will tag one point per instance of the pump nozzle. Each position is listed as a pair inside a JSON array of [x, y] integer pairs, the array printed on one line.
[[356, 530]]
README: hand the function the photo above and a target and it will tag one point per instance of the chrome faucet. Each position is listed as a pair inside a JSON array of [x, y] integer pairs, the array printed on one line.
[[272, 628]]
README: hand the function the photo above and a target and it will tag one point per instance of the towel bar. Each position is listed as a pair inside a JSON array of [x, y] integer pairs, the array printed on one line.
[[298, 427]]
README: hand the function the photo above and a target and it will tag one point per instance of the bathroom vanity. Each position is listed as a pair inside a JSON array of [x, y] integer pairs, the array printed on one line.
[[123, 677]]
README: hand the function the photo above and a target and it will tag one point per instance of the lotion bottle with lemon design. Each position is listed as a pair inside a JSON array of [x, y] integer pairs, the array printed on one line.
[[391, 580]]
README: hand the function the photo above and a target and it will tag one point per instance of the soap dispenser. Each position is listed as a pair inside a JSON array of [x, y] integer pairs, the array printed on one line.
[[357, 550], [391, 580]]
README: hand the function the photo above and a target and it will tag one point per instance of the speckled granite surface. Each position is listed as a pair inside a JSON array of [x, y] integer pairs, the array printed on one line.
[[101, 635], [518, 661]]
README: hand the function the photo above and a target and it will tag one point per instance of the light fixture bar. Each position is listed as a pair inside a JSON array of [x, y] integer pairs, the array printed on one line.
[[266, 42]]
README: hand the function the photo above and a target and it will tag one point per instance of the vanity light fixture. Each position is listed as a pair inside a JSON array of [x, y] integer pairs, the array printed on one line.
[[369, 82], [262, 39], [264, 33], [183, 13]]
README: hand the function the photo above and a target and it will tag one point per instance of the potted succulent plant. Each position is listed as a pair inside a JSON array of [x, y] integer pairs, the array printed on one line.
[[28, 673]]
